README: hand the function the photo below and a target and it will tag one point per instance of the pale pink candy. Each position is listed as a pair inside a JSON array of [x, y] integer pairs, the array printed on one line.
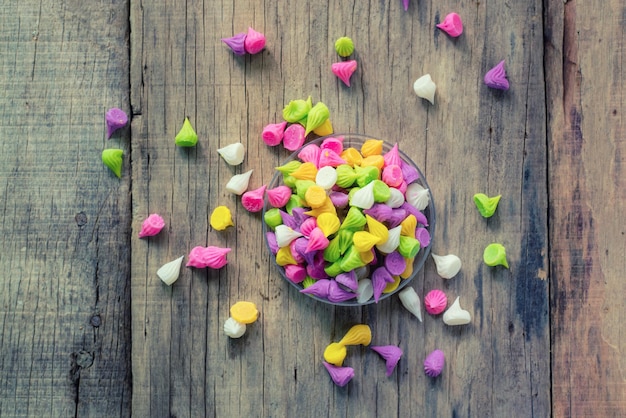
[[151, 226], [496, 77], [295, 273], [308, 225], [452, 25], [293, 247], [252, 200], [344, 70], [434, 363], [392, 157], [337, 294], [254, 42], [435, 302], [333, 143], [273, 133], [329, 157], [380, 278], [236, 43], [294, 137], [212, 257], [310, 154], [317, 240], [391, 354], [392, 175], [320, 288], [278, 196], [340, 375]]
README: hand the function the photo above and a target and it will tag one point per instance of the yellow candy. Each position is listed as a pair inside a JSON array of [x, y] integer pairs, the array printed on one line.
[[327, 207], [378, 229], [324, 129], [367, 256], [409, 268], [335, 353], [315, 196], [393, 285], [364, 241], [221, 218], [329, 223], [351, 156], [284, 257], [409, 224], [372, 147], [374, 160], [244, 312], [358, 334], [306, 171]]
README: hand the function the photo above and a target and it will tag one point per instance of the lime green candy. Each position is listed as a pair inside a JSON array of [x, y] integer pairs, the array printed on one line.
[[290, 167], [290, 181], [302, 186], [345, 239], [408, 247], [186, 137], [272, 218], [346, 176], [486, 205], [366, 175], [382, 193], [351, 260], [297, 110], [495, 255], [316, 117], [334, 269], [332, 253], [294, 201], [112, 158], [344, 46], [308, 281], [354, 220]]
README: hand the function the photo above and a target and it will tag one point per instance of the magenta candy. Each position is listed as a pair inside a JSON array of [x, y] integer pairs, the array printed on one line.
[[254, 42], [115, 119], [151, 226], [452, 25], [410, 209], [340, 375], [336, 294], [349, 280], [423, 236], [344, 70], [496, 77], [405, 3], [403, 186], [310, 154], [316, 268], [295, 273], [317, 240], [434, 363], [295, 253], [308, 225], [435, 302], [380, 278], [395, 263], [273, 133], [294, 137], [333, 143], [391, 354], [392, 157], [252, 200], [392, 175], [329, 157], [320, 288], [212, 257], [236, 43], [278, 196]]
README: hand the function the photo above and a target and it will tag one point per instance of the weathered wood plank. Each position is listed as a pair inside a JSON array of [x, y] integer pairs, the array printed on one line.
[[64, 218], [473, 140], [585, 78]]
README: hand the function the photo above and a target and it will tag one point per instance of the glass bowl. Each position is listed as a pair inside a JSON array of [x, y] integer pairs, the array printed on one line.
[[425, 231]]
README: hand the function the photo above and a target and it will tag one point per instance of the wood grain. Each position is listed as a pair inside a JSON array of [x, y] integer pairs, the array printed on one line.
[[64, 217], [584, 55], [472, 140]]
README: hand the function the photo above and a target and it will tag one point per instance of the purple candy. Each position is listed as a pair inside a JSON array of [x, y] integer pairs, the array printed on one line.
[[409, 173], [380, 212], [298, 214], [391, 354], [349, 280], [341, 375], [423, 236], [236, 43], [316, 268], [289, 220], [339, 199], [395, 263], [320, 288], [293, 247], [421, 218], [397, 216], [380, 278], [115, 119], [433, 365], [271, 242], [337, 294]]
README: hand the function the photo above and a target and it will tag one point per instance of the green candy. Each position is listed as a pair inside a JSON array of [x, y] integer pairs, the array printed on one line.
[[345, 176], [297, 110], [316, 117], [408, 247], [332, 253], [344, 46], [382, 193], [351, 260], [308, 281], [495, 255], [186, 137], [289, 168], [112, 158], [290, 181], [486, 205], [272, 218], [366, 175], [302, 186], [345, 239], [294, 201], [354, 220], [334, 269]]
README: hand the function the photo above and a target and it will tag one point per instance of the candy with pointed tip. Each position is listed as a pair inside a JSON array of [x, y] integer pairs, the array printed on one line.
[[391, 354], [296, 110], [393, 241], [434, 363], [270, 237], [329, 223], [425, 88], [405, 3], [447, 265], [324, 129], [337, 294], [239, 183], [392, 175], [495, 255], [112, 158], [455, 315], [310, 154], [344, 46], [252, 200], [335, 353], [408, 246], [344, 70], [306, 171], [486, 205], [316, 117], [496, 77], [411, 301], [396, 217], [115, 119], [372, 147], [380, 278], [330, 158], [285, 234], [346, 176], [340, 375], [365, 290], [348, 280], [278, 196], [339, 199], [233, 328], [320, 288], [211, 256], [294, 137], [169, 272], [435, 302], [317, 241], [186, 137], [409, 225], [360, 334], [452, 25], [233, 154], [379, 211], [254, 42], [308, 225], [364, 241], [151, 226], [418, 196], [273, 133], [377, 228], [285, 257], [364, 197], [236, 43], [221, 218]]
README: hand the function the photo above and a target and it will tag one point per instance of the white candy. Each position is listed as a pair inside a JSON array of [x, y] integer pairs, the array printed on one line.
[[396, 199], [365, 290], [362, 272], [233, 154], [425, 88], [364, 197], [417, 196], [239, 183], [284, 235], [326, 177], [411, 302], [169, 272], [392, 242], [447, 265], [234, 329], [455, 315]]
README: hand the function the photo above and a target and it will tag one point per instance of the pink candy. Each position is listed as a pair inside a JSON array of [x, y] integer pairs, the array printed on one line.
[[435, 302], [212, 257], [252, 42], [293, 137], [235, 43], [344, 70], [496, 77], [151, 226], [452, 25], [252, 200], [279, 196], [273, 133]]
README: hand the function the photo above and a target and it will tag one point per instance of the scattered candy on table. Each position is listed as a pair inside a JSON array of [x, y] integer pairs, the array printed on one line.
[[252, 200], [344, 46], [234, 328], [344, 70], [496, 77], [435, 302], [340, 375], [244, 312], [233, 154], [221, 218], [452, 25], [251, 42], [335, 353], [434, 363], [211, 257], [495, 255], [115, 119], [411, 301], [169, 272], [486, 205], [151, 226], [455, 315], [239, 183], [112, 158], [447, 265], [425, 88], [186, 137], [391, 354]]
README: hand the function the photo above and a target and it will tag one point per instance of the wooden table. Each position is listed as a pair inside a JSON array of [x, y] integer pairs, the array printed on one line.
[[87, 328]]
